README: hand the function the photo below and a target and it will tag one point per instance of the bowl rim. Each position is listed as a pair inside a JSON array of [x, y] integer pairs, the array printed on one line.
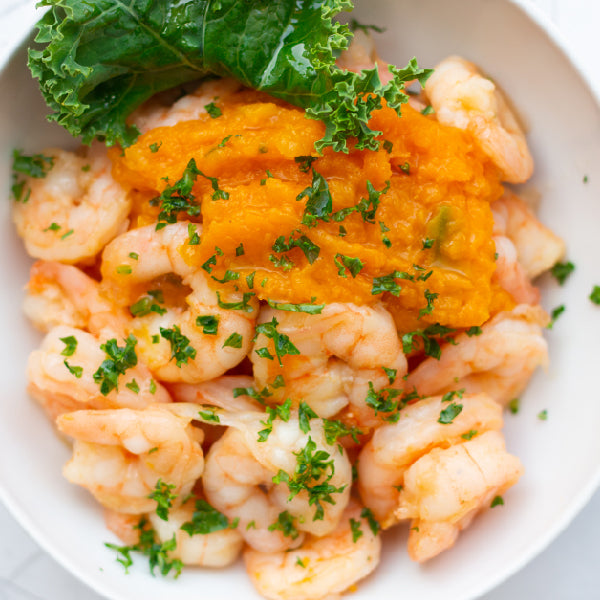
[[543, 21]]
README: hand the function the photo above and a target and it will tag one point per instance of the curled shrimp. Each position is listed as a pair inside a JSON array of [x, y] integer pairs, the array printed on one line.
[[154, 113], [121, 455], [270, 482], [216, 548], [447, 487], [74, 211], [143, 255], [218, 392], [341, 350], [498, 362], [537, 248], [321, 567], [61, 376], [511, 275], [59, 294], [384, 460], [462, 97]]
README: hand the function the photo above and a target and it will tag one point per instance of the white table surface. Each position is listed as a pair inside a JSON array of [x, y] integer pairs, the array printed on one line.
[[567, 570]]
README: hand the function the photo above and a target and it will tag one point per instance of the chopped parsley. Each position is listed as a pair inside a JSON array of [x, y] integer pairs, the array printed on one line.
[[429, 297], [163, 496], [595, 295], [354, 265], [428, 243], [119, 359], [281, 342], [213, 110], [157, 552], [312, 465], [134, 386], [384, 400], [233, 341], [228, 276], [428, 337], [319, 204], [181, 350], [205, 519], [241, 305], [374, 526], [281, 411], [366, 207], [74, 370], [513, 406], [305, 414], [70, 343], [303, 242], [469, 435], [356, 530], [194, 238], [148, 304], [52, 227], [497, 501], [311, 309], [209, 415], [391, 374], [543, 415], [428, 110], [337, 429], [209, 324], [448, 414], [35, 166], [561, 271], [218, 193], [475, 330], [304, 162], [559, 310], [155, 147], [285, 524], [178, 198]]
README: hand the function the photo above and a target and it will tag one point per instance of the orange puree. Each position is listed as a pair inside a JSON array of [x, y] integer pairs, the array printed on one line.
[[440, 187]]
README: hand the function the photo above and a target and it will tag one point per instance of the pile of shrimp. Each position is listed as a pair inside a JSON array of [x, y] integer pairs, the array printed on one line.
[[180, 429]]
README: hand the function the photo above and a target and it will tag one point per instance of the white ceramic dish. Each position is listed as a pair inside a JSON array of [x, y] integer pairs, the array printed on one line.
[[523, 53]]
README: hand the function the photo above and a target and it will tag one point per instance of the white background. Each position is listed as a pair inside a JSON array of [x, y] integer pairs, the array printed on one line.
[[565, 571]]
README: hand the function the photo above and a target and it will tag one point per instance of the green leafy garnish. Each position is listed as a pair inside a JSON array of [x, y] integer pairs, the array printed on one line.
[[311, 467], [595, 295], [356, 530], [70, 343], [285, 524], [209, 324], [205, 519], [428, 337], [163, 496], [513, 406], [119, 359], [157, 553], [497, 501], [178, 197], [36, 166], [281, 341], [213, 110], [287, 48], [561, 271], [181, 350], [354, 265], [235, 340], [303, 242], [74, 370], [450, 413], [311, 309]]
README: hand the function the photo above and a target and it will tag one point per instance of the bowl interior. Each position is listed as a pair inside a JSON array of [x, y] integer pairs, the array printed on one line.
[[560, 454]]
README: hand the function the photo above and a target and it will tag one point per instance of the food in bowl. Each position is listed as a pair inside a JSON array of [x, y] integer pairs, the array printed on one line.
[[254, 318]]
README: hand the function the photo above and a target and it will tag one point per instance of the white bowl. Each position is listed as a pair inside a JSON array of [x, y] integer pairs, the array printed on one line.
[[561, 455]]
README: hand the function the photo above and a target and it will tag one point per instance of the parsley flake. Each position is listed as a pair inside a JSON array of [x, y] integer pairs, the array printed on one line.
[[181, 350], [119, 359]]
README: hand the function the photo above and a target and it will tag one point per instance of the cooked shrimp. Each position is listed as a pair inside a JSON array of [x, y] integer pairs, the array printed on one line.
[[240, 471], [121, 455], [56, 382], [510, 274], [322, 568], [75, 210], [384, 460], [499, 362], [218, 548], [142, 255], [123, 525], [59, 294], [462, 97], [340, 351], [445, 489], [153, 114], [538, 248], [218, 392]]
